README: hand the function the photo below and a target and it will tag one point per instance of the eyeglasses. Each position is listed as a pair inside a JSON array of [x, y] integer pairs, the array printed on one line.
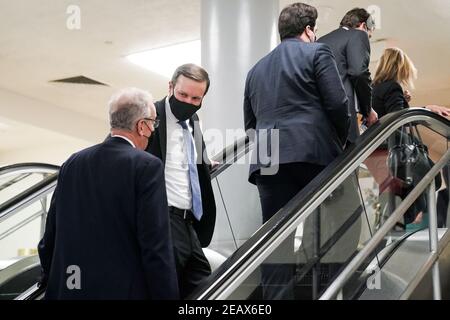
[[155, 122]]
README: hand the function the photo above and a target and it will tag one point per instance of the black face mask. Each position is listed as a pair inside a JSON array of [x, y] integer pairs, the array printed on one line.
[[182, 110]]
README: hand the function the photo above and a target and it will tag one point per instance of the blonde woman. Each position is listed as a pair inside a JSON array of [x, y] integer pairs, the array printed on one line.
[[393, 81]]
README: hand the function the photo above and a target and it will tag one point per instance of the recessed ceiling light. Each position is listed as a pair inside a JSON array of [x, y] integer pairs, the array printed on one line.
[[165, 60]]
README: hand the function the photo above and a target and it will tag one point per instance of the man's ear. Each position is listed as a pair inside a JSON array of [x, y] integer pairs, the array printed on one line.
[[363, 26], [139, 128]]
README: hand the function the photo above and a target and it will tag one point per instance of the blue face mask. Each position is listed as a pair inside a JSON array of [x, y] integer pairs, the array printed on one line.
[[182, 110]]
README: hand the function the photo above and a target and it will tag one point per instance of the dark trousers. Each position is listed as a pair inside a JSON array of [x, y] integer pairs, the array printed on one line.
[[191, 263], [275, 191]]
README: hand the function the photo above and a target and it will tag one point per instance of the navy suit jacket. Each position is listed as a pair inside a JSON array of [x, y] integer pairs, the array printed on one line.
[[109, 217], [351, 48], [296, 89], [157, 146]]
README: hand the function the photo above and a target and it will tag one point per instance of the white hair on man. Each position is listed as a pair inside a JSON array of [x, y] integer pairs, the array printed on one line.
[[127, 106]]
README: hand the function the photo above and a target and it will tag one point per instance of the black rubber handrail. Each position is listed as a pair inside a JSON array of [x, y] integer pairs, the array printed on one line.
[[229, 155], [28, 165], [27, 194], [385, 259], [278, 221]]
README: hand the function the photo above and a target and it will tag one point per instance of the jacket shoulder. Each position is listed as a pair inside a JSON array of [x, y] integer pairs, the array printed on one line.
[[82, 154], [331, 35], [342, 36], [146, 158], [319, 49]]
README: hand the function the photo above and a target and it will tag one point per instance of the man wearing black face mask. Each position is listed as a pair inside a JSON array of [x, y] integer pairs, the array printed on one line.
[[178, 142], [294, 91]]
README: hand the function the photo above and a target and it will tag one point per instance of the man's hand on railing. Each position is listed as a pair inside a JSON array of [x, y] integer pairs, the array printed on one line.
[[214, 164]]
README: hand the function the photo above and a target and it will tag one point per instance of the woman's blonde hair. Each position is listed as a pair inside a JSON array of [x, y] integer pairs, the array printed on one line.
[[396, 65]]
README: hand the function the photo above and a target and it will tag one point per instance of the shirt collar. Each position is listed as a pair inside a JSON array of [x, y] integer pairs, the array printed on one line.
[[125, 138]]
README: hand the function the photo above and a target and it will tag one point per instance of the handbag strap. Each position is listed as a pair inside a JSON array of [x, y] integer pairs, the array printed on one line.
[[415, 134], [405, 135], [419, 137]]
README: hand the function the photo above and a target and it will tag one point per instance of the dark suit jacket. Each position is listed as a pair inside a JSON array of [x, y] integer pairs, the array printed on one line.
[[351, 49], [296, 89], [388, 97], [109, 217], [157, 146]]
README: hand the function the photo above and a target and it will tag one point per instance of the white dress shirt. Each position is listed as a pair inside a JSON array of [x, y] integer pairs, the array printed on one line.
[[125, 138], [176, 169]]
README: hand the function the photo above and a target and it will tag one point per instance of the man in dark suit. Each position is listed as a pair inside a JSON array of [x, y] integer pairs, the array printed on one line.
[[107, 233], [178, 142], [351, 48], [294, 103]]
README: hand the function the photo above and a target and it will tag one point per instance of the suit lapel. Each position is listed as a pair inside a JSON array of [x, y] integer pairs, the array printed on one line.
[[198, 138], [162, 129]]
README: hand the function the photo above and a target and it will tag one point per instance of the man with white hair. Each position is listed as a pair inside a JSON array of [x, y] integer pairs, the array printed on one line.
[[107, 233]]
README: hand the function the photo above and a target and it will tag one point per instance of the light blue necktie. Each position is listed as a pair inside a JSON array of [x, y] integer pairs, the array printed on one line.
[[197, 209]]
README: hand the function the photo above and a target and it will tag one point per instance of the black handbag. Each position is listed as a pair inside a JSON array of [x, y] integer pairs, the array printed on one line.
[[408, 162], [408, 159]]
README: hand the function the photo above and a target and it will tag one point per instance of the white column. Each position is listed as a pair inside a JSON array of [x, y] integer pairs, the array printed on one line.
[[235, 34]]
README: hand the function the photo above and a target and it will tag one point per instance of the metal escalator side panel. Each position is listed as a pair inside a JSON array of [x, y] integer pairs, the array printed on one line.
[[252, 254]]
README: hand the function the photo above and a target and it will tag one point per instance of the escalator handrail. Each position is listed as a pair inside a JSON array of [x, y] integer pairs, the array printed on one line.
[[225, 158], [376, 239], [382, 259], [32, 293], [230, 155], [33, 166], [18, 202], [443, 243], [321, 186], [24, 198]]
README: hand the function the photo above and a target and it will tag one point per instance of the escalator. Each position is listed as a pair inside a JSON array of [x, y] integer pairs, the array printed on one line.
[[25, 191], [342, 242], [342, 237]]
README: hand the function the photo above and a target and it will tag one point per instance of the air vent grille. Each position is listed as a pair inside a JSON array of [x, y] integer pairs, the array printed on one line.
[[80, 80]]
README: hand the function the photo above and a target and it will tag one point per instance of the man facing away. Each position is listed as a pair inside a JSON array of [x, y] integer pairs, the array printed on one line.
[[296, 92], [351, 48], [178, 142], [107, 233]]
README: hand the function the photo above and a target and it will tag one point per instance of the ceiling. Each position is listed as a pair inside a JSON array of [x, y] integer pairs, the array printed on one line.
[[36, 47]]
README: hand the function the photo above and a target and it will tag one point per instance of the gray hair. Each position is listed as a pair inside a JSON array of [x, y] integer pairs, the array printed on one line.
[[127, 106]]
